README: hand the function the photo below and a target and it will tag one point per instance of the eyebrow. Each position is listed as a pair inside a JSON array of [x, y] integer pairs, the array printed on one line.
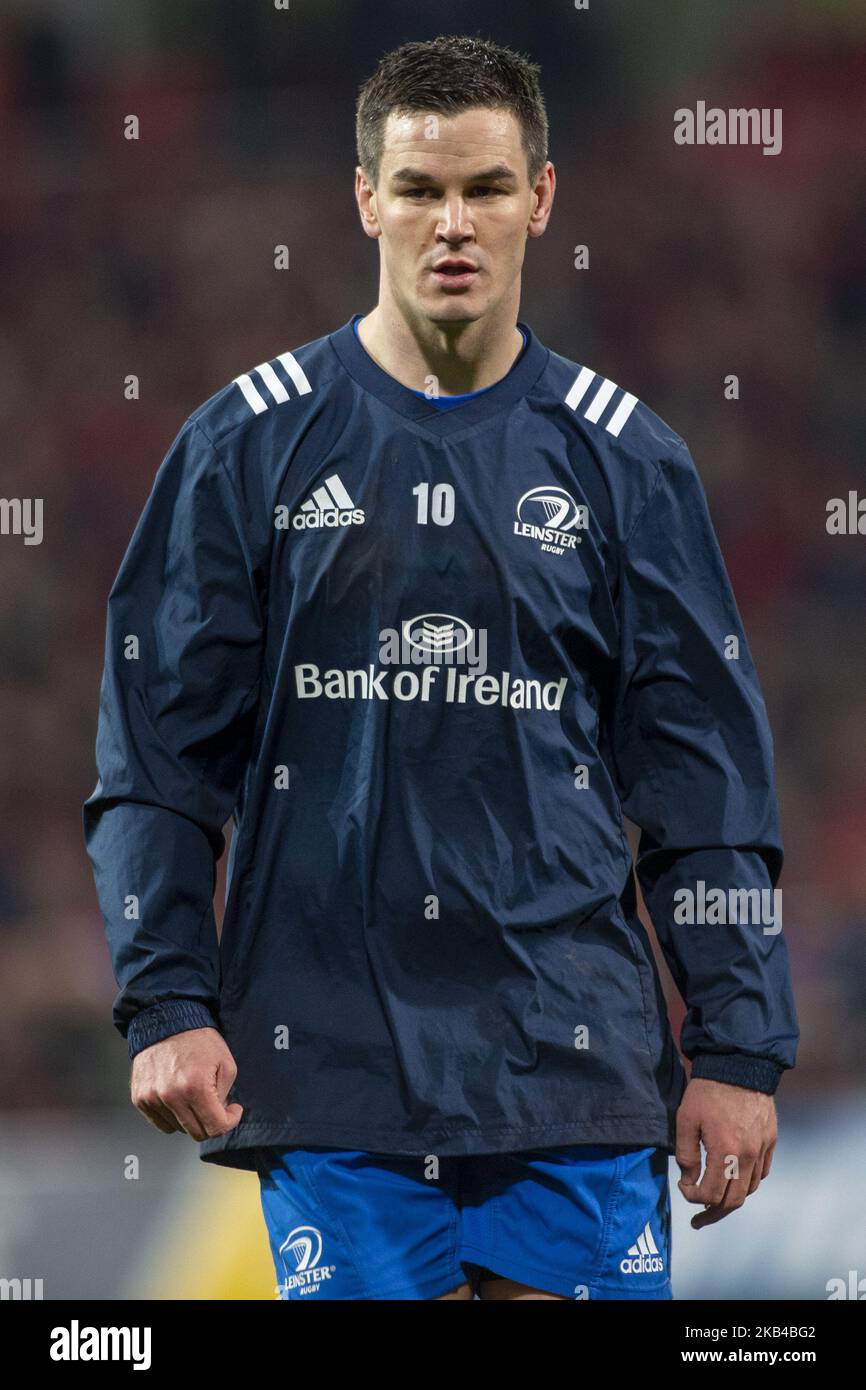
[[499, 172]]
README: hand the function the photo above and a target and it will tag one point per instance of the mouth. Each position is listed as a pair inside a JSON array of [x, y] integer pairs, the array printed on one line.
[[454, 274]]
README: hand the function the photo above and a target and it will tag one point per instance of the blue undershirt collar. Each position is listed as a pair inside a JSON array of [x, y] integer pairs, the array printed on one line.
[[449, 402]]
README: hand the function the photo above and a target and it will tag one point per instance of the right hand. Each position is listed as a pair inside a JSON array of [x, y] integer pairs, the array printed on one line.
[[181, 1084]]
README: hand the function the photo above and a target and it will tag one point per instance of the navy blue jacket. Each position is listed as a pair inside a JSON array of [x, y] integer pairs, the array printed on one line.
[[427, 661]]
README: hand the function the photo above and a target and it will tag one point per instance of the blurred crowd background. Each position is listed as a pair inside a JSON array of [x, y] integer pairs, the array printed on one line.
[[155, 257]]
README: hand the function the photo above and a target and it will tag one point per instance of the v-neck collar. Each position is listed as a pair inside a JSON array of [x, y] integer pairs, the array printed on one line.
[[367, 372]]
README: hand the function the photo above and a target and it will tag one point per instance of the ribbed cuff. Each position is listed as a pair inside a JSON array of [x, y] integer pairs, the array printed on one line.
[[165, 1019], [739, 1069]]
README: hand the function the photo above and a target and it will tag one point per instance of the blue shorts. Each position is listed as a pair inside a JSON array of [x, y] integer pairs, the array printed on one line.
[[589, 1221]]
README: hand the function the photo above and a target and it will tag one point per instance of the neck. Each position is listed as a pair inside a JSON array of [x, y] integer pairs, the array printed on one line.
[[465, 356]]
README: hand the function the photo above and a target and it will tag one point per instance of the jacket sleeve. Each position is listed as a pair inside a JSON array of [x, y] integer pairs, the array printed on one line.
[[177, 712], [693, 765]]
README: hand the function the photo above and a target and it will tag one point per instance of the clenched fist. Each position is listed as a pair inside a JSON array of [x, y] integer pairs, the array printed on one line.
[[181, 1084]]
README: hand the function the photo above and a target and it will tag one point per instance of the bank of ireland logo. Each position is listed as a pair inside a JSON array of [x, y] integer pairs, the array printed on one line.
[[453, 655], [300, 1253], [550, 516], [437, 634]]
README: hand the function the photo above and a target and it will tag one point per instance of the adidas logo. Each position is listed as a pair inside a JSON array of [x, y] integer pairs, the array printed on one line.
[[600, 400], [329, 505], [643, 1257], [273, 384]]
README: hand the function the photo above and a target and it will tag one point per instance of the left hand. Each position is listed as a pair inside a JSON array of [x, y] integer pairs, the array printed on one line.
[[734, 1124]]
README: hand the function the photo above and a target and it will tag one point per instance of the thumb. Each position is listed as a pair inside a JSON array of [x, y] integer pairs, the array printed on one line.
[[217, 1112], [688, 1153], [223, 1082]]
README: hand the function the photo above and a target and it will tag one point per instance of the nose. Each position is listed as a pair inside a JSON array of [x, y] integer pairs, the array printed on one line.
[[454, 223]]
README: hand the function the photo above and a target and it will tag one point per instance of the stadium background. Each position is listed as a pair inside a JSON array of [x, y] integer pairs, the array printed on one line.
[[155, 257]]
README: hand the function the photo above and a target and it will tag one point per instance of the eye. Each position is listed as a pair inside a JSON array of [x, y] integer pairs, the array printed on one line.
[[416, 192]]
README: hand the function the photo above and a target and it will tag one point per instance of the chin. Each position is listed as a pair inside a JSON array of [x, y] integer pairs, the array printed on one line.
[[453, 310]]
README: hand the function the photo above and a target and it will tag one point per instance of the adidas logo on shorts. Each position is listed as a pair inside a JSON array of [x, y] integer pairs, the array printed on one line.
[[643, 1257]]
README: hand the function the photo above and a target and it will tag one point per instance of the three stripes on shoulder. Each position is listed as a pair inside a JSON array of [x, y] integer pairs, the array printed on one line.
[[600, 400], [268, 378], [268, 387]]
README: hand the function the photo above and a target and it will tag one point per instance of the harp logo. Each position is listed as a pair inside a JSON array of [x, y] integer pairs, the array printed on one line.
[[550, 516], [300, 1253]]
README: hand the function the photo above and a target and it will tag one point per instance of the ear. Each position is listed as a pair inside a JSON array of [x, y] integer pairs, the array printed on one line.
[[544, 190], [365, 197]]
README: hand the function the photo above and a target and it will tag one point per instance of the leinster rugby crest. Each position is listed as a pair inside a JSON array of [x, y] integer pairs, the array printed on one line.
[[551, 517]]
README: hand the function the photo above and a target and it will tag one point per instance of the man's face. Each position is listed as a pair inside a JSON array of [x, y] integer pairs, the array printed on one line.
[[453, 188]]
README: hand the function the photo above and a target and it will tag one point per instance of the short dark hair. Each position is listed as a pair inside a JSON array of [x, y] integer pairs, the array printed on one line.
[[447, 75]]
